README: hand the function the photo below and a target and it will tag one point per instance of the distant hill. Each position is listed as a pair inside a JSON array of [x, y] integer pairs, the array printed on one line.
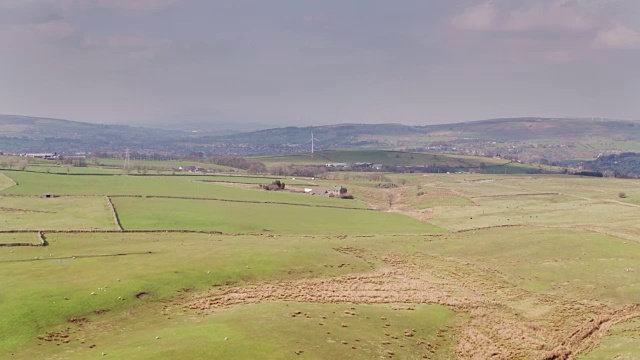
[[552, 138], [34, 134], [518, 129], [532, 140], [400, 161], [542, 129]]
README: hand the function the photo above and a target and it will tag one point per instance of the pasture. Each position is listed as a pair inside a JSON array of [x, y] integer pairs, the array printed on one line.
[[437, 266], [35, 213], [230, 217], [177, 186]]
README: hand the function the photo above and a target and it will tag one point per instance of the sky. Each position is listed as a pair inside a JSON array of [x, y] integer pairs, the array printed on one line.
[[304, 62]]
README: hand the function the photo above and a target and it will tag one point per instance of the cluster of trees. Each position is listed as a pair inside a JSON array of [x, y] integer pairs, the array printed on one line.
[[274, 186], [250, 165], [14, 164], [73, 161], [297, 170]]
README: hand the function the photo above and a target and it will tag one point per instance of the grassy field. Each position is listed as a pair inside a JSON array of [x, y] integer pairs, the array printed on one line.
[[38, 302], [37, 184], [253, 180], [622, 344], [463, 266], [29, 238], [556, 262], [255, 330], [250, 218], [34, 213], [5, 182], [72, 170]]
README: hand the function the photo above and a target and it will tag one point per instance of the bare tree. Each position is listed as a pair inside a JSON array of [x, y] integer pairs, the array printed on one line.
[[391, 197]]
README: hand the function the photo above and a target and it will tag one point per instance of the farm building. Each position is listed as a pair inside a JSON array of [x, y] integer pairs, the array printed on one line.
[[324, 191], [191, 169], [45, 156]]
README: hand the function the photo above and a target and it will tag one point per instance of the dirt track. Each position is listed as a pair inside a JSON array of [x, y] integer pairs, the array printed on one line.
[[506, 322]]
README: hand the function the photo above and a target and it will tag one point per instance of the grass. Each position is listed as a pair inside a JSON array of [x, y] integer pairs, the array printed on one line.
[[29, 238], [33, 213], [37, 184], [244, 218], [5, 182], [539, 260], [622, 343], [507, 271], [72, 170], [468, 201], [38, 287], [160, 164], [251, 331], [584, 265], [252, 180]]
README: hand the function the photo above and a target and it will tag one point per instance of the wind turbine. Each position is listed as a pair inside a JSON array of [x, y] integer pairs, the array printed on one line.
[[313, 143]]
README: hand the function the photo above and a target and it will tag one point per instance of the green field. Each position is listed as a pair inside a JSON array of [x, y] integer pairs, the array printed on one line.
[[445, 266], [37, 300], [28, 238], [231, 217], [6, 182], [621, 344], [557, 262], [34, 213], [159, 164], [37, 184]]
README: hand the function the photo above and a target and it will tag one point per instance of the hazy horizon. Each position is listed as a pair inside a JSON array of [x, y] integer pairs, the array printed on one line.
[[297, 63]]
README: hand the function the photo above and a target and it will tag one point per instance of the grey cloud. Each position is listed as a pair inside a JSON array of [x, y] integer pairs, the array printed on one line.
[[618, 37], [291, 61]]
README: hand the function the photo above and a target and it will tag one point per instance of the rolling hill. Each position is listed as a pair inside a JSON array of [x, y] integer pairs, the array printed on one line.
[[499, 130], [537, 140], [34, 134]]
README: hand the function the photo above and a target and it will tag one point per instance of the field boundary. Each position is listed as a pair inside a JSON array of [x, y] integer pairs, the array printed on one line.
[[584, 228], [510, 195], [116, 218], [239, 201], [99, 231], [77, 257], [197, 198], [42, 242], [248, 183], [15, 183]]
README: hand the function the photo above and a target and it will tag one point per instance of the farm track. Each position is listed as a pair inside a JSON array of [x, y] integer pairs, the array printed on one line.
[[548, 327]]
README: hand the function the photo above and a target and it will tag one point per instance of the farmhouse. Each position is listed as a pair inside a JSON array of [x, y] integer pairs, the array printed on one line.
[[324, 191], [46, 156], [188, 168]]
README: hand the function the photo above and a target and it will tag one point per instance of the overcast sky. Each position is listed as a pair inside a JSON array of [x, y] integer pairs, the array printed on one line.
[[318, 61]]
